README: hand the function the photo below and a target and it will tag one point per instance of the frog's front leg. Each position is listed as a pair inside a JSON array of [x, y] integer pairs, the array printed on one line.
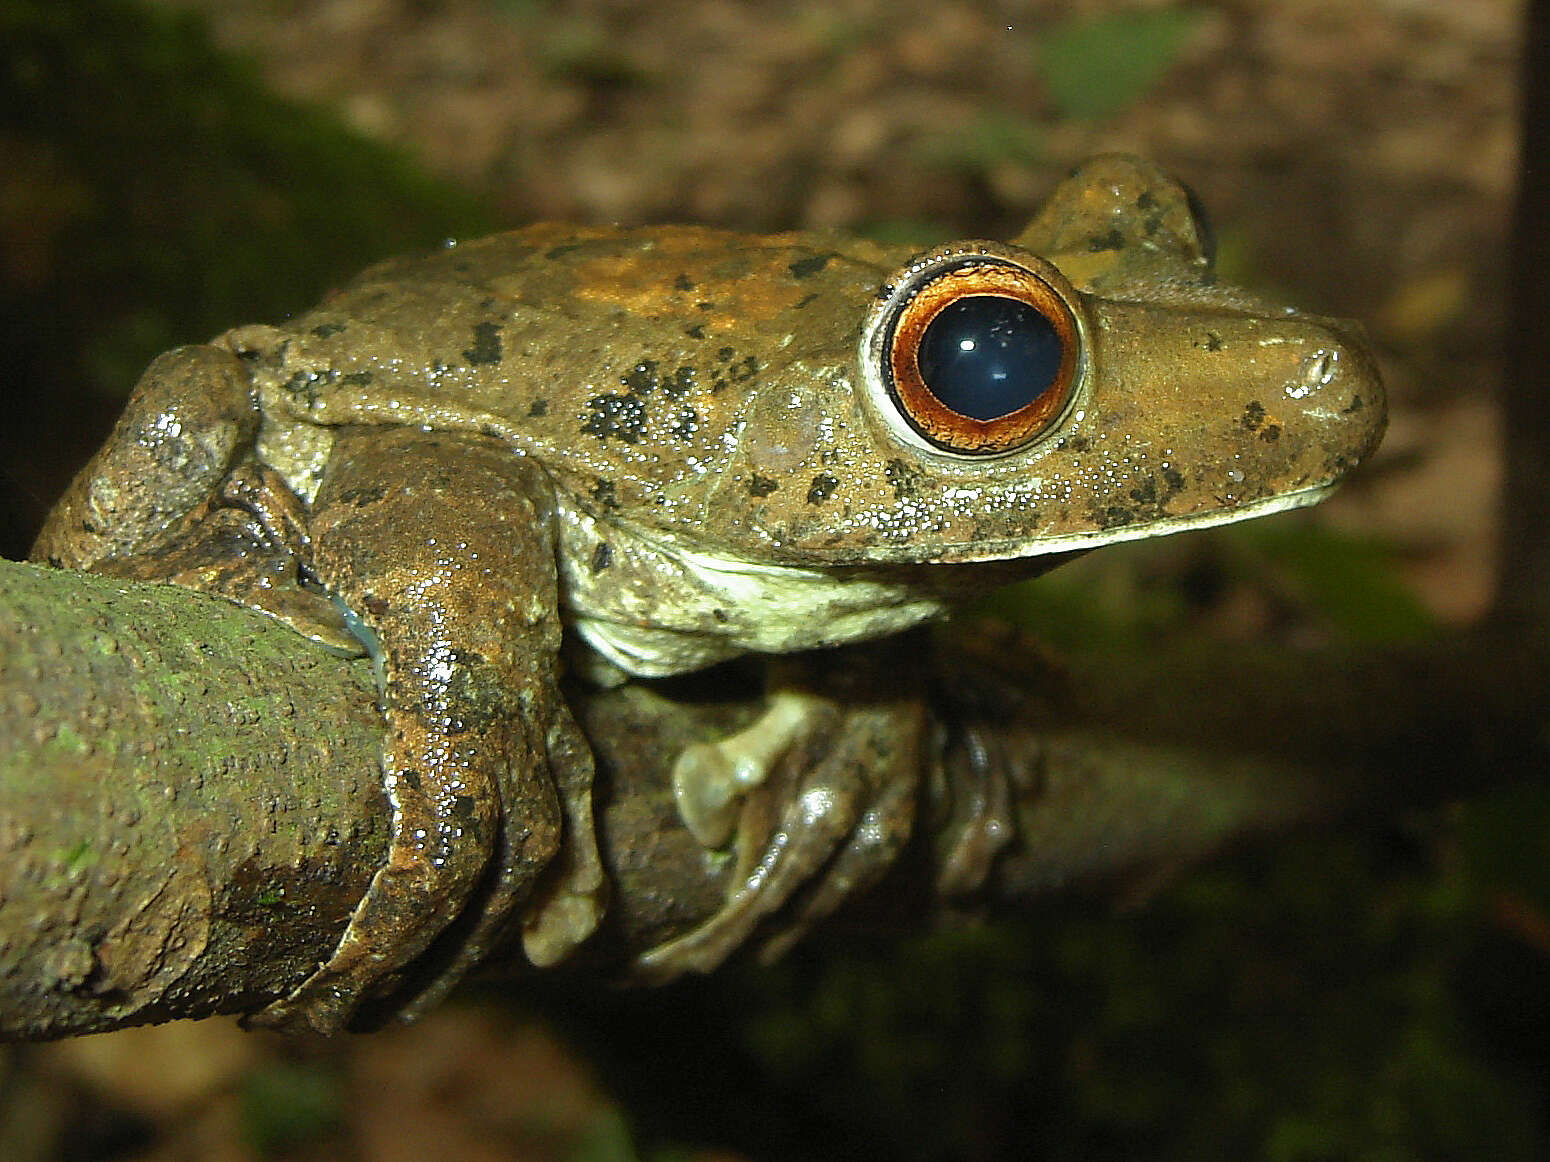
[[442, 548], [823, 787]]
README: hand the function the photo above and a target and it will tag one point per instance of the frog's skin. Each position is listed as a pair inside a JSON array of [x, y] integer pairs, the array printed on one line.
[[683, 445]]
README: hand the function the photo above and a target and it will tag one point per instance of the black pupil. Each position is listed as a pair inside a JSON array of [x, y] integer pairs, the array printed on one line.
[[986, 356]]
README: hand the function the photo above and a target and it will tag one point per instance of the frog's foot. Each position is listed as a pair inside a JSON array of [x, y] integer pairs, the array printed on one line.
[[710, 779], [832, 810], [976, 798], [564, 908]]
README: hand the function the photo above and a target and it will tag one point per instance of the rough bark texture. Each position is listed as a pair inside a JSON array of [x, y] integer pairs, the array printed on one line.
[[188, 808]]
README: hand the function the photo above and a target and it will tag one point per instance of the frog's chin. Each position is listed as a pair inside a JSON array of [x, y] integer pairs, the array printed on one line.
[[1077, 542]]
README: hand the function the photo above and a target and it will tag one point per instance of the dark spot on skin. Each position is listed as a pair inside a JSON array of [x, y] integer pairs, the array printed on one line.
[[1113, 240], [411, 777], [476, 693], [725, 353], [562, 250], [1271, 434], [685, 424], [761, 485], [904, 478], [807, 267], [806, 300], [821, 488], [1112, 517], [695, 332], [681, 382], [487, 344], [1212, 342], [487, 304], [620, 416], [605, 494], [705, 305], [539, 407], [1253, 415], [357, 378], [1146, 201], [743, 370], [361, 497], [489, 429], [1075, 444], [683, 283], [328, 330], [307, 383], [720, 615], [1356, 405], [1174, 479], [602, 556], [1145, 493], [642, 379]]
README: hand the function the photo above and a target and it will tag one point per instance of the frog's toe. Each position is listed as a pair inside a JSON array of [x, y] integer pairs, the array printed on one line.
[[841, 822], [874, 843], [711, 778], [807, 835], [392, 926]]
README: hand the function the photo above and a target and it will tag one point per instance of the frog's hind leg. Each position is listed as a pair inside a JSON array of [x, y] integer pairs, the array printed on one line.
[[174, 496], [442, 548]]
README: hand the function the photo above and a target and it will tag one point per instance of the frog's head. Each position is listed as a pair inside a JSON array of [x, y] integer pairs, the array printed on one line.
[[1085, 384]]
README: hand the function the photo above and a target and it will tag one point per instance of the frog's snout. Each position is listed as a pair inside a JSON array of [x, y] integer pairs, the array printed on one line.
[[1339, 387]]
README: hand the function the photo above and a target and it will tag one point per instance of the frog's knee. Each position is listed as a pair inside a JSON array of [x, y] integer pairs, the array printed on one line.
[[192, 411], [189, 418]]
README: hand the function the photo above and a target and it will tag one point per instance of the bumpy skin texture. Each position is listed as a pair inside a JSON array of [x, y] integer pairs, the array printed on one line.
[[672, 442]]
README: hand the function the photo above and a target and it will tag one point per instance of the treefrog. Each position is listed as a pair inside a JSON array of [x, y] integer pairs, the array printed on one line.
[[667, 447]]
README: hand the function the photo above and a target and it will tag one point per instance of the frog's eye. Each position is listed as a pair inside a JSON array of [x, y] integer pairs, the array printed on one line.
[[980, 354]]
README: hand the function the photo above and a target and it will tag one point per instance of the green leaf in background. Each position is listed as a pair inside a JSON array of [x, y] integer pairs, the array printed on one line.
[[993, 138], [288, 1106], [1093, 68], [1351, 581]]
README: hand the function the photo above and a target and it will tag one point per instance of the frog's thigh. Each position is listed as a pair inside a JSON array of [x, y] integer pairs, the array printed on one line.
[[188, 419], [442, 546]]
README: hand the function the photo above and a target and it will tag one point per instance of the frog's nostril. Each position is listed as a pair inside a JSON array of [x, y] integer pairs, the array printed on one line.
[[1316, 371]]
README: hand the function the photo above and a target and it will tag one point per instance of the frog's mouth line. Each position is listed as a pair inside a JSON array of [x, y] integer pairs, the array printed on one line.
[[705, 564], [1144, 529]]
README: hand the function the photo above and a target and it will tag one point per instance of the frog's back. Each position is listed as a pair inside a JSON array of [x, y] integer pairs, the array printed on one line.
[[618, 357]]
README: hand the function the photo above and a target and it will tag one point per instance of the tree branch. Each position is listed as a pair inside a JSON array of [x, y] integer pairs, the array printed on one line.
[[190, 806]]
